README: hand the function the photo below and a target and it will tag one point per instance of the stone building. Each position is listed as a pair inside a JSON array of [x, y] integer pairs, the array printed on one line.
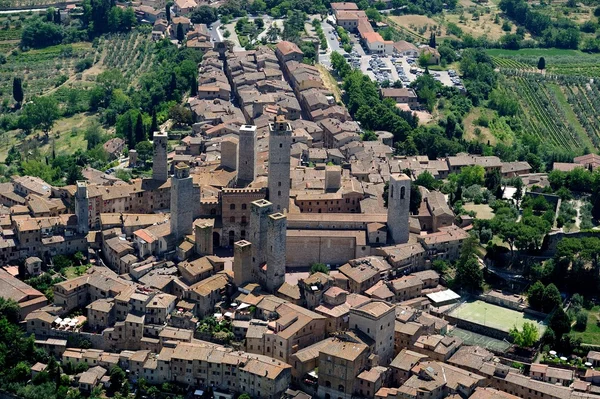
[[276, 250], [236, 204], [182, 197], [229, 153], [247, 156], [340, 363], [242, 263], [398, 207], [376, 319], [280, 141], [160, 171], [82, 208]]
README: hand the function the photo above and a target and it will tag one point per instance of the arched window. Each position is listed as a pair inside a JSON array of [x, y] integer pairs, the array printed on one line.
[[243, 219], [279, 193], [328, 384], [232, 219], [341, 388], [402, 192], [232, 207], [392, 192], [244, 206]]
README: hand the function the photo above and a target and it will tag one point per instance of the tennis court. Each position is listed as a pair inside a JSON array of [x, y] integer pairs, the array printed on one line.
[[495, 316], [471, 338]]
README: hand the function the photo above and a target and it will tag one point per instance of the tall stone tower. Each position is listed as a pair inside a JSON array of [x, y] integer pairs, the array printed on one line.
[[259, 213], [276, 246], [246, 165], [398, 207], [182, 197], [160, 170], [82, 205], [203, 236], [229, 153], [242, 262], [280, 141]]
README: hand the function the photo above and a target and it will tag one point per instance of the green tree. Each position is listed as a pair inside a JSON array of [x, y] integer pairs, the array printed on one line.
[[93, 135], [432, 42], [117, 378], [204, 15], [426, 180], [541, 64], [552, 298], [373, 14], [469, 275], [180, 115], [581, 320], [525, 338], [144, 150], [319, 268], [140, 132], [168, 12], [560, 322], [518, 195], [10, 310], [244, 396], [415, 199], [535, 295], [154, 123], [180, 34], [18, 90]]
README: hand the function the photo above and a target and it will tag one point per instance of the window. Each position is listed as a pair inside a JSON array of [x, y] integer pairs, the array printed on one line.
[[243, 219], [279, 184], [402, 192], [244, 206], [232, 207], [232, 219]]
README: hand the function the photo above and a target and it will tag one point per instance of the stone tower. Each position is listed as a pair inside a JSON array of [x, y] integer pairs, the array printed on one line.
[[259, 213], [280, 141], [398, 207], [182, 197], [203, 236], [276, 246], [242, 262], [160, 170], [82, 205], [229, 153], [246, 165], [333, 178]]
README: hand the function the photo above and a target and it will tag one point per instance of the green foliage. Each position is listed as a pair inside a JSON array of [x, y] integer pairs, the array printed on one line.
[[18, 90], [560, 322], [204, 15], [526, 337], [38, 33], [469, 275], [581, 320], [41, 113]]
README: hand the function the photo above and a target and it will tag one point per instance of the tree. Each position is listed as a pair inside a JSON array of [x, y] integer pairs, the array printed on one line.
[[180, 34], [38, 34], [469, 275], [42, 112], [140, 132], [432, 43], [581, 320], [57, 17], [319, 268], [117, 378], [560, 322], [541, 64], [552, 298], [154, 123], [93, 135], [204, 15], [144, 150], [244, 396], [535, 295], [415, 199], [18, 90], [10, 310], [73, 174], [168, 12], [526, 337], [181, 115], [194, 87], [518, 195]]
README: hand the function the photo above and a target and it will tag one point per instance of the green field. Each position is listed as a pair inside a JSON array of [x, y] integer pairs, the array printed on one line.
[[533, 52], [494, 316], [591, 335]]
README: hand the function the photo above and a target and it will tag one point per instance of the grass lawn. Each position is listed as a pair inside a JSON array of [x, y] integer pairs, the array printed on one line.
[[495, 316], [591, 335], [483, 211], [74, 271]]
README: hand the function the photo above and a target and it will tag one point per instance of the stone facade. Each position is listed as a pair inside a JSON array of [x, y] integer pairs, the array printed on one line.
[[160, 170], [376, 319], [229, 153], [276, 250], [398, 207], [82, 205], [236, 204], [280, 141], [246, 155], [242, 262], [203, 236], [182, 207], [258, 224]]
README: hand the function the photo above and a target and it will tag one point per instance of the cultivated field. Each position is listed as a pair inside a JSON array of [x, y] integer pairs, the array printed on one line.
[[494, 316]]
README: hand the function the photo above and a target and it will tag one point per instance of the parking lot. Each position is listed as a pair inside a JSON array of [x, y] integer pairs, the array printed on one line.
[[393, 68]]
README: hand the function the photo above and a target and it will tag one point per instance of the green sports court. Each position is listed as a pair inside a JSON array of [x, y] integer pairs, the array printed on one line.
[[495, 316]]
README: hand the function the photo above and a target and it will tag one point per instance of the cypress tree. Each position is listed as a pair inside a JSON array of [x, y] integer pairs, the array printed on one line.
[[140, 134], [18, 90], [154, 124]]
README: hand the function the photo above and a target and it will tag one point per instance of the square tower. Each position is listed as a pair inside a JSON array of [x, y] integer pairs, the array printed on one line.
[[259, 213], [276, 247], [203, 236], [280, 141], [229, 153], [182, 197], [242, 262], [246, 164], [82, 205], [376, 319], [398, 207], [160, 171]]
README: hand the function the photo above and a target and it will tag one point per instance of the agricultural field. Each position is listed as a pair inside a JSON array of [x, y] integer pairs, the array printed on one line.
[[558, 62], [41, 70], [25, 4], [479, 21], [131, 53]]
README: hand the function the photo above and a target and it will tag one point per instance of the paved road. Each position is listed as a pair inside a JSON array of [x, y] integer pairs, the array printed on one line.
[[332, 45], [215, 33]]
